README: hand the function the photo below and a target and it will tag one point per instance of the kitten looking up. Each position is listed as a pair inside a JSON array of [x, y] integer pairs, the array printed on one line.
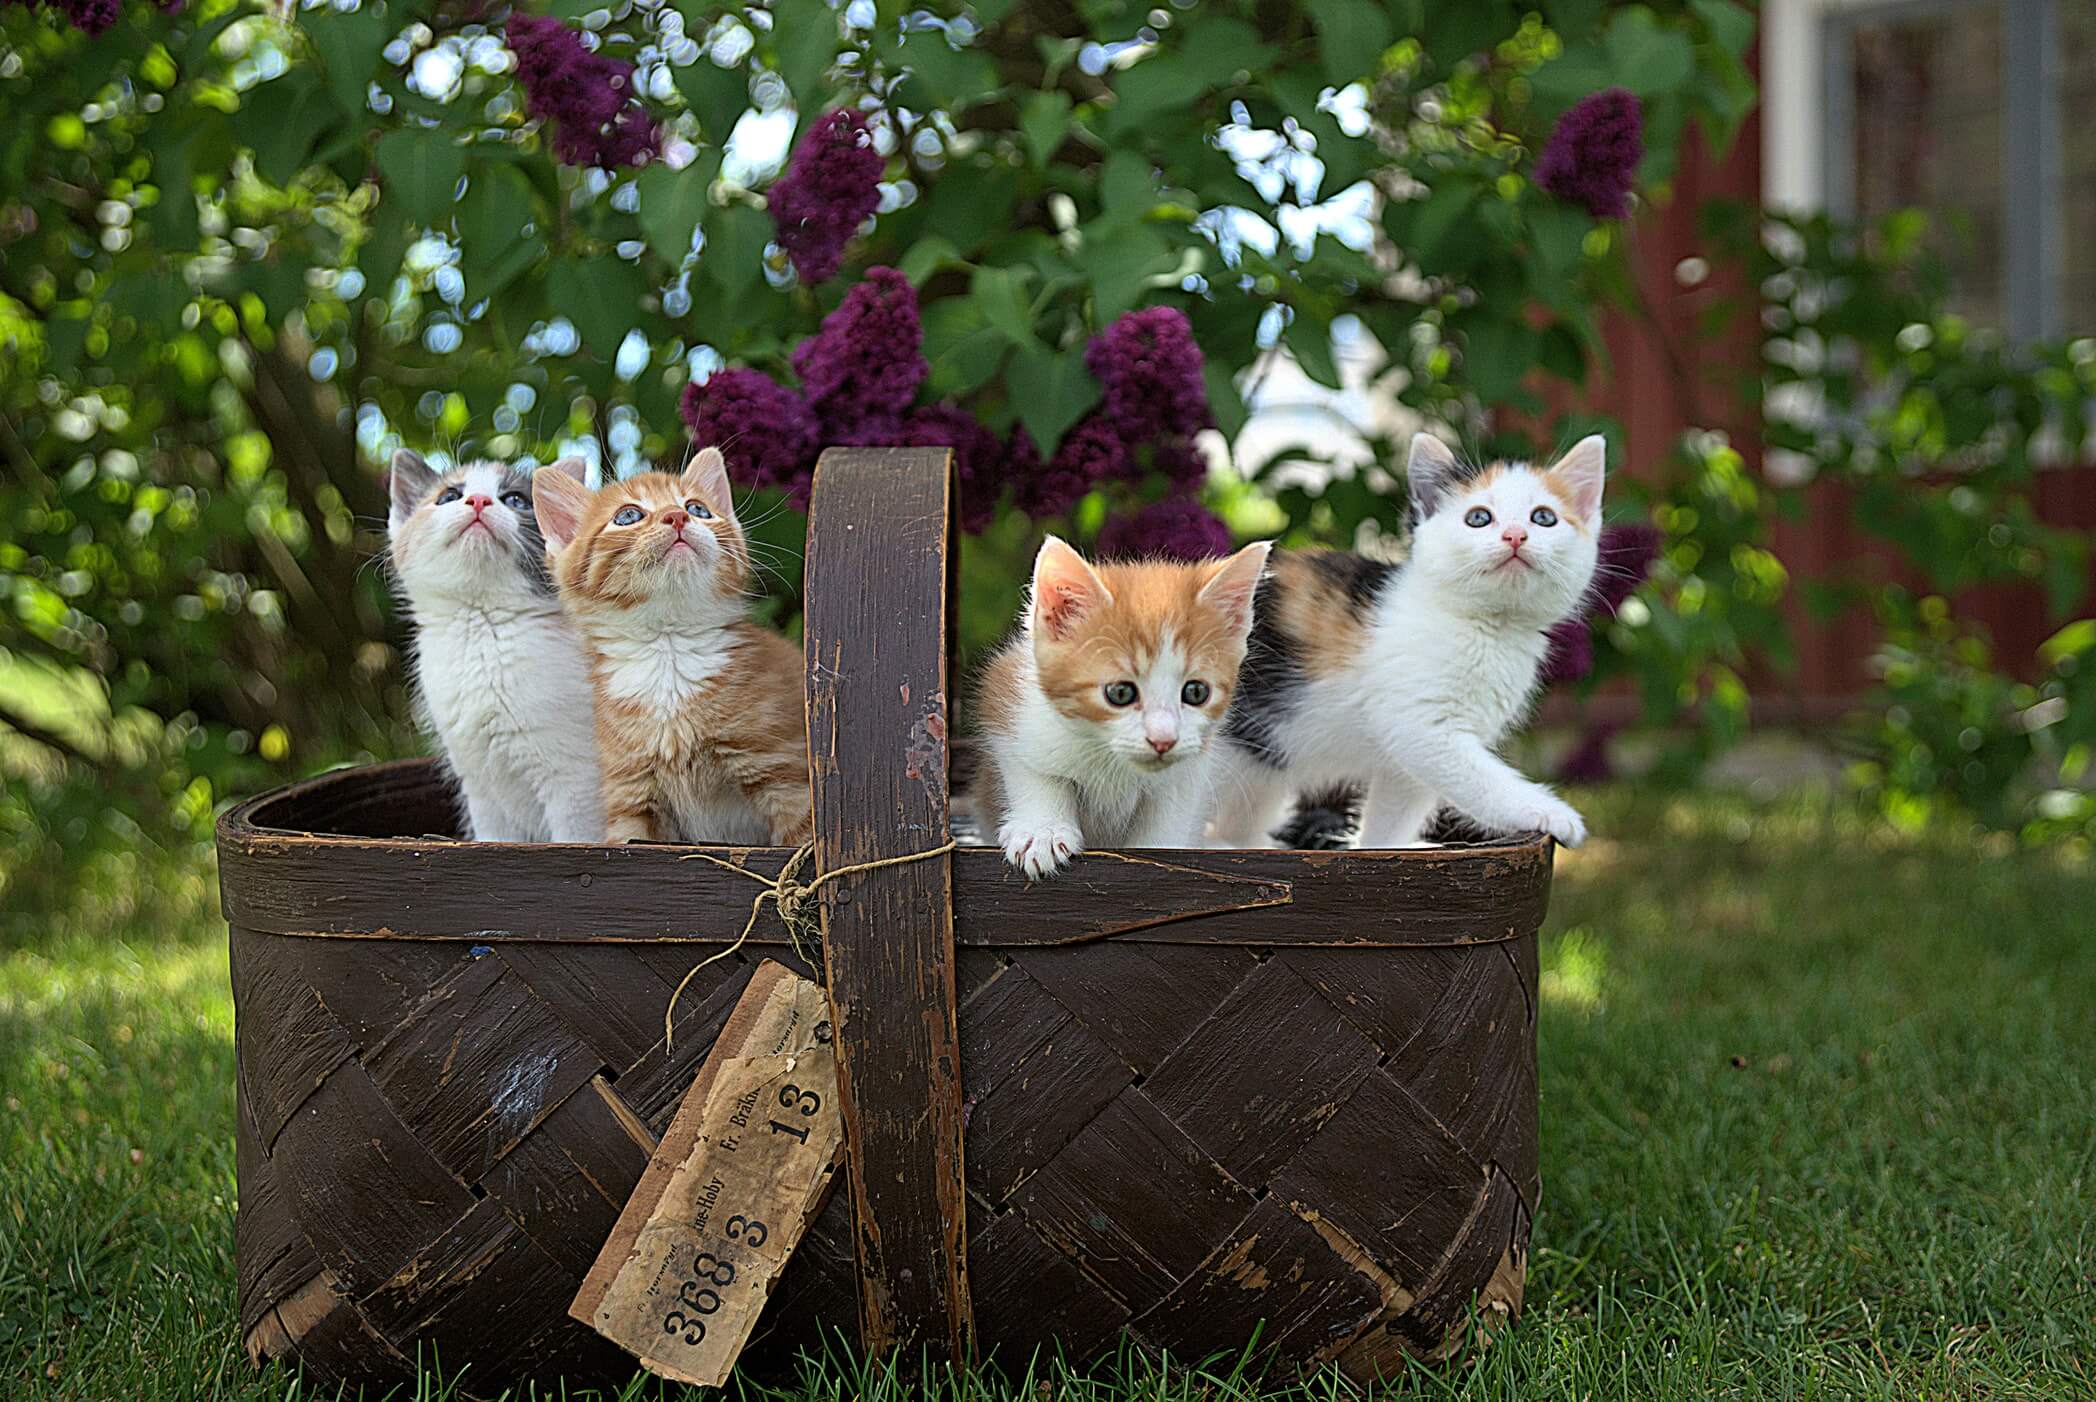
[[699, 711], [499, 674], [1409, 676], [1097, 718]]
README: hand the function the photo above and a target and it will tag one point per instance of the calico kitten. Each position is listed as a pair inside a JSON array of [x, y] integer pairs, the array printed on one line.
[[1409, 676], [1097, 718], [500, 679], [699, 711]]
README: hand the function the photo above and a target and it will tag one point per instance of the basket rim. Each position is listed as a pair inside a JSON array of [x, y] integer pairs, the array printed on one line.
[[243, 826], [279, 879]]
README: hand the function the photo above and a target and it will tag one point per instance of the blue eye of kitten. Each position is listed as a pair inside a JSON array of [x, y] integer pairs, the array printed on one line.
[[1543, 516], [448, 496], [1194, 693], [516, 501], [698, 510], [1120, 693], [1477, 516], [626, 515]]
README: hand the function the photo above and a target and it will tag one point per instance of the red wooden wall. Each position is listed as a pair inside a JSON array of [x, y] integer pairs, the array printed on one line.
[[1666, 374]]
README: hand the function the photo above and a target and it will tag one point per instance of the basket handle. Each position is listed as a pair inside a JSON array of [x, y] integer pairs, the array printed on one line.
[[878, 606]]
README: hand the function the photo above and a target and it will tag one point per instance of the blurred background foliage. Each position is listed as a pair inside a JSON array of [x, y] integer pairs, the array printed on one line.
[[246, 252]]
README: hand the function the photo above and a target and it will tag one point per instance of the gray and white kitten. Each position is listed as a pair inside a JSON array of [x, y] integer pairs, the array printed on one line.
[[500, 679]]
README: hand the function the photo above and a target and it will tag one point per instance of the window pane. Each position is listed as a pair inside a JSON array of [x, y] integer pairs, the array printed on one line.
[[1928, 119]]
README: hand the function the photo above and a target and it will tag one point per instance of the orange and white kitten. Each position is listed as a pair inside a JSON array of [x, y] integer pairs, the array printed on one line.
[[700, 722], [1097, 717]]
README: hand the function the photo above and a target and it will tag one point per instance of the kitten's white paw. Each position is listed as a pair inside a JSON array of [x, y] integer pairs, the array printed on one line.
[[1561, 820], [1040, 851]]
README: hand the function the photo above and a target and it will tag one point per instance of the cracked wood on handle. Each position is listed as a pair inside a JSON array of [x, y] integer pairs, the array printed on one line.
[[878, 598]]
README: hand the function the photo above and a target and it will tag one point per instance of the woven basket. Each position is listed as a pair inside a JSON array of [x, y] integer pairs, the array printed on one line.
[[1184, 1096]]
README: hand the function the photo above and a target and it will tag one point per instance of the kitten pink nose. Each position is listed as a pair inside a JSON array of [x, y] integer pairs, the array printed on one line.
[[674, 519], [1514, 536], [480, 504], [1163, 743]]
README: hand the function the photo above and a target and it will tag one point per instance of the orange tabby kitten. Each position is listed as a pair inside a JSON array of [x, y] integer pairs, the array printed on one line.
[[700, 722], [1098, 718]]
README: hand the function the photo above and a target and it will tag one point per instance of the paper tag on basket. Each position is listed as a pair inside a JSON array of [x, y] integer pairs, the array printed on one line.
[[745, 1166]]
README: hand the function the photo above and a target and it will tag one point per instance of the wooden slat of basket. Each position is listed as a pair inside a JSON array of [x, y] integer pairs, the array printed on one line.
[[877, 736], [287, 884]]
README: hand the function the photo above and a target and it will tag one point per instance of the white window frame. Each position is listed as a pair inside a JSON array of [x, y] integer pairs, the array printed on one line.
[[1807, 125]]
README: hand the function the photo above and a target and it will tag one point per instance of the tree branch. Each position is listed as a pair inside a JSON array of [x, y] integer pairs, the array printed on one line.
[[50, 739]]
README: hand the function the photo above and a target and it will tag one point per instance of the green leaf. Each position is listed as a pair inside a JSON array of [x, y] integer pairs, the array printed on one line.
[[971, 203], [1006, 305], [2073, 640], [1581, 69], [1224, 401], [926, 256], [942, 76], [1126, 186], [1052, 391], [1118, 256], [717, 96], [1309, 338], [601, 296], [379, 255], [733, 258], [281, 122], [1558, 232], [174, 214], [350, 43], [1496, 355], [804, 41], [422, 169], [672, 203], [963, 351], [1646, 58], [1044, 120], [1731, 24], [1351, 36], [494, 218]]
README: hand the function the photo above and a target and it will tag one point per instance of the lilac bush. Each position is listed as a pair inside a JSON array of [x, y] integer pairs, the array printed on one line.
[[764, 430], [1628, 553], [1176, 528], [1592, 156], [585, 98], [863, 368], [1149, 373], [831, 187]]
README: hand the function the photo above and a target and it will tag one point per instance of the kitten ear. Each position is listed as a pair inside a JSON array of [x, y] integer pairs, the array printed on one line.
[[706, 475], [558, 501], [577, 468], [1065, 589], [1577, 476], [1235, 582], [1429, 470], [406, 484]]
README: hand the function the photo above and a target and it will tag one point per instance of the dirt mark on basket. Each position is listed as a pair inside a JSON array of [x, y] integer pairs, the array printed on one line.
[[925, 759], [520, 1094]]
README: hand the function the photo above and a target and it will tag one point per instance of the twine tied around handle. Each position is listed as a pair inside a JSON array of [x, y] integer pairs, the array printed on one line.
[[795, 900]]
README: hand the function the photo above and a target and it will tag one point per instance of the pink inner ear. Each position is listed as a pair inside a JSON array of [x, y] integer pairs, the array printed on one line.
[[1060, 603]]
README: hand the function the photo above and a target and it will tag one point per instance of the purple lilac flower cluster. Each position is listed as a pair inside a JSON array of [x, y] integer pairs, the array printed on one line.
[[90, 17], [1176, 528], [859, 375], [765, 430], [1592, 156], [1152, 401], [1628, 553], [829, 190], [585, 97]]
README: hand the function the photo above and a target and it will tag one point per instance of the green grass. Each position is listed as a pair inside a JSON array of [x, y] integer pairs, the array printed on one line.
[[1818, 1106]]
